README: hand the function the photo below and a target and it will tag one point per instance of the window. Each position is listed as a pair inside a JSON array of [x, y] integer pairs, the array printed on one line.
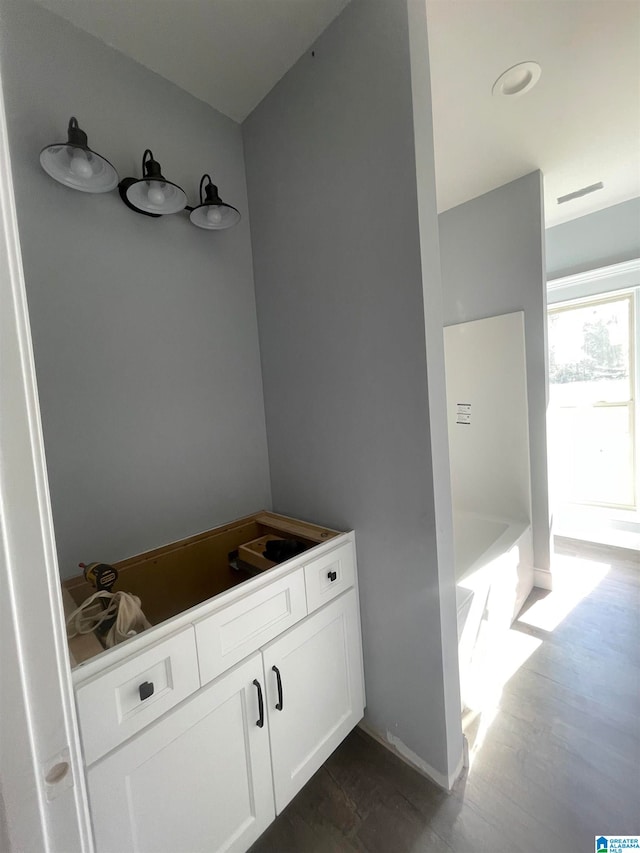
[[592, 382]]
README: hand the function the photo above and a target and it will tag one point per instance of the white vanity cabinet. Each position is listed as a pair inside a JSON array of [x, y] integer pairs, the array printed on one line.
[[209, 768], [198, 780], [314, 691]]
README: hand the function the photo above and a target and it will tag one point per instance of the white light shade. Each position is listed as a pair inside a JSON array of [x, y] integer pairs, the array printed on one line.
[[212, 213], [159, 197], [79, 168], [215, 217]]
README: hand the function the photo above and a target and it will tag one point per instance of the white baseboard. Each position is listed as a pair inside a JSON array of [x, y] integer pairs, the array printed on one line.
[[395, 745], [542, 578], [465, 752]]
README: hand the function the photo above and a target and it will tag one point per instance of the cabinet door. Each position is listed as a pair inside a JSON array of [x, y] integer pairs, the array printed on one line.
[[320, 667], [197, 780]]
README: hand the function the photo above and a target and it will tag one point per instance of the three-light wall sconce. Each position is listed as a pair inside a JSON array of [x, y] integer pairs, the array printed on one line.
[[77, 166]]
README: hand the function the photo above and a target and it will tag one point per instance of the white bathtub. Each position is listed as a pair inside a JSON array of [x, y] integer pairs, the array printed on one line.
[[474, 539], [494, 576]]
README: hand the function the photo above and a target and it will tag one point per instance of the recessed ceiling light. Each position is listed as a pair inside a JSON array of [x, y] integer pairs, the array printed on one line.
[[579, 193], [517, 80]]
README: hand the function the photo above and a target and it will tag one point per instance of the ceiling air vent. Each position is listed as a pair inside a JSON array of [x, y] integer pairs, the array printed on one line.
[[579, 193]]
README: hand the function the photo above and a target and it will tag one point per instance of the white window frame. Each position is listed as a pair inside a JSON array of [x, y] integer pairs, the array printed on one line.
[[601, 284]]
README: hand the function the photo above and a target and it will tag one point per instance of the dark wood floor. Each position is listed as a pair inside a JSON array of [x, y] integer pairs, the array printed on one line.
[[557, 763]]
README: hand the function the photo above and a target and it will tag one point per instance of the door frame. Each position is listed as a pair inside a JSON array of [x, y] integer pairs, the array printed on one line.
[[44, 805]]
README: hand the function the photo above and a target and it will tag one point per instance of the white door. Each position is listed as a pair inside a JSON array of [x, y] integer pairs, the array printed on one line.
[[314, 690], [198, 780]]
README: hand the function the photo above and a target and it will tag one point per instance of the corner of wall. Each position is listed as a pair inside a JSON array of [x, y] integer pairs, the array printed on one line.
[[436, 379]]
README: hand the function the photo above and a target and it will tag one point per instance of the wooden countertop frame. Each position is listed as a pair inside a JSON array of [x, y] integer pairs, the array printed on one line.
[[181, 575]]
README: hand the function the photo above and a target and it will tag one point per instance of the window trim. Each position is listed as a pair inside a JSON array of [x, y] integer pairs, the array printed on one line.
[[600, 285], [594, 282]]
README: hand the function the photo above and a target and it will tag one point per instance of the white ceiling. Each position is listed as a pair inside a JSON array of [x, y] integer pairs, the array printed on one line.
[[228, 53], [580, 124]]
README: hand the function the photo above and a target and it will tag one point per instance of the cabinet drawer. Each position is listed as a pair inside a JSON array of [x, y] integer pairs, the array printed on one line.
[[111, 708], [234, 631], [329, 576]]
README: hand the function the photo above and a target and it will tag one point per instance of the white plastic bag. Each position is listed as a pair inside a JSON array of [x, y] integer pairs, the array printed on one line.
[[129, 621]]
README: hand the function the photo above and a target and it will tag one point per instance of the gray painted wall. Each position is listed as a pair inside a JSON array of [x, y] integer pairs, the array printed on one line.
[[331, 170], [492, 254], [5, 844], [608, 236], [144, 330]]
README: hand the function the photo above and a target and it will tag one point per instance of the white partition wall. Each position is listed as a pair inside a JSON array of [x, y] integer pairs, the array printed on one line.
[[488, 421], [492, 257], [488, 416]]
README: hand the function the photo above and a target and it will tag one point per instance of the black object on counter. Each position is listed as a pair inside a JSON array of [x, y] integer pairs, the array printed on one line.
[[279, 550], [102, 576]]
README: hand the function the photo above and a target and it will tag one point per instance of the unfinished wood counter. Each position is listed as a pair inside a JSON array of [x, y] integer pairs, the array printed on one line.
[[179, 576]]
